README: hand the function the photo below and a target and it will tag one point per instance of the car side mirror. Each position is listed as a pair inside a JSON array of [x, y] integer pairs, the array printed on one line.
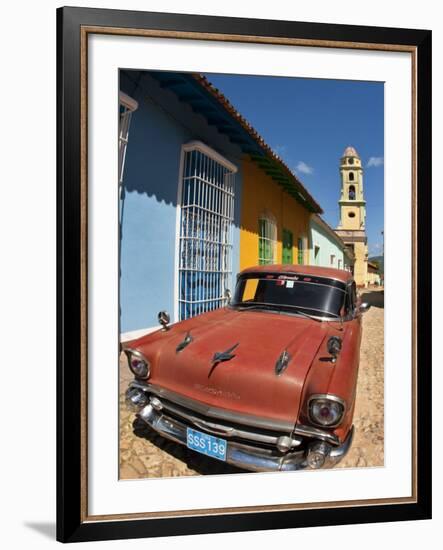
[[334, 346], [163, 319], [364, 307], [228, 295]]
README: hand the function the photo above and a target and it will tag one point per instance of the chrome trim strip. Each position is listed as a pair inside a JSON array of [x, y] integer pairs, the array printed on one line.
[[242, 456], [141, 385], [338, 453], [214, 412], [139, 354], [317, 433], [135, 352], [331, 397]]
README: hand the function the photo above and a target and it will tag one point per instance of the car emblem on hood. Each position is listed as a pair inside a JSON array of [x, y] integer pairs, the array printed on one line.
[[221, 356]]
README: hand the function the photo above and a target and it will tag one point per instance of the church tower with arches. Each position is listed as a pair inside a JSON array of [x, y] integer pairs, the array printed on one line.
[[352, 206]]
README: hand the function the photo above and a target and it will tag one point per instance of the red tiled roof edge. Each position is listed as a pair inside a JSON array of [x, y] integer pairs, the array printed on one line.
[[204, 82]]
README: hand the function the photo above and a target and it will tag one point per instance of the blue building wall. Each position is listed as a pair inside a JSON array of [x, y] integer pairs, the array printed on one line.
[[159, 128], [327, 244]]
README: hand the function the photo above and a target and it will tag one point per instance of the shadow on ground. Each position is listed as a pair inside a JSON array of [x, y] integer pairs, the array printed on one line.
[[44, 528], [375, 298], [200, 463]]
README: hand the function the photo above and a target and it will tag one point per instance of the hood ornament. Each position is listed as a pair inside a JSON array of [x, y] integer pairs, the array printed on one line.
[[282, 362], [220, 356], [185, 342]]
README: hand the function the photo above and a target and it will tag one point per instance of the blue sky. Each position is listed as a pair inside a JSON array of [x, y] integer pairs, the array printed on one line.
[[309, 123]]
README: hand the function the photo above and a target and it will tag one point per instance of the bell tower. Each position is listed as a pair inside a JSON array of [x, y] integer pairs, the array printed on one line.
[[351, 227], [352, 203]]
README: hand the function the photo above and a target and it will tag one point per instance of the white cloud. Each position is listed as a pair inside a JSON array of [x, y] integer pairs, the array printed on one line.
[[375, 162], [303, 168]]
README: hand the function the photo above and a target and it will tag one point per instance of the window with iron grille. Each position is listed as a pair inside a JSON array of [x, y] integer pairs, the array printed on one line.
[[206, 227], [267, 239]]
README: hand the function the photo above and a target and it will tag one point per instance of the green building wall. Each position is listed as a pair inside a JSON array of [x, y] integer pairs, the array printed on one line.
[[325, 249]]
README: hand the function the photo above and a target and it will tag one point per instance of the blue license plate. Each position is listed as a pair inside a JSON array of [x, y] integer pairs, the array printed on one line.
[[206, 444]]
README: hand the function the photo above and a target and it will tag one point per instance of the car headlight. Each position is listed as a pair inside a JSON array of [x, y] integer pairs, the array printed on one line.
[[326, 410], [138, 364]]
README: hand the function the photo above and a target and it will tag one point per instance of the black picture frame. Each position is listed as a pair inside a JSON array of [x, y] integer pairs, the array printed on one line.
[[72, 525]]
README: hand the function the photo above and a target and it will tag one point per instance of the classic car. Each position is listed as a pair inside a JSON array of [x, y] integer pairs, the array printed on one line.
[[265, 383]]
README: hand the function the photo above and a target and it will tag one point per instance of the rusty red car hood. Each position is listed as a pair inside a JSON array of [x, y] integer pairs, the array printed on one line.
[[248, 382]]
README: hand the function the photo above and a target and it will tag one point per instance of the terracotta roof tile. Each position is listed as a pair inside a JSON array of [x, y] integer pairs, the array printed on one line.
[[204, 82]]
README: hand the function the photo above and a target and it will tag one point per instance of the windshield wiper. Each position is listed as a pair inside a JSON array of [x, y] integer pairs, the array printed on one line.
[[285, 307], [315, 318], [300, 312], [255, 305]]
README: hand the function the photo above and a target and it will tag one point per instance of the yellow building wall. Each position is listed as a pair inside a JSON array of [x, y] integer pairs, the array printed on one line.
[[261, 193], [347, 222], [361, 264]]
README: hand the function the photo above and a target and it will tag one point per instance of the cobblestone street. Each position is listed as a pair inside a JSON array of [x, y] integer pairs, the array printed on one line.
[[368, 446], [143, 453]]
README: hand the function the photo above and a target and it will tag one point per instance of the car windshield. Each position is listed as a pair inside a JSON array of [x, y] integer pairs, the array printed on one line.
[[291, 293]]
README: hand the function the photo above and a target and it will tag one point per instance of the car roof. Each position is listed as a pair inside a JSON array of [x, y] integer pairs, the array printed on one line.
[[315, 270]]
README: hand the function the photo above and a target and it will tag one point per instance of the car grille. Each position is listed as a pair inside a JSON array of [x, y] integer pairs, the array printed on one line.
[[232, 431]]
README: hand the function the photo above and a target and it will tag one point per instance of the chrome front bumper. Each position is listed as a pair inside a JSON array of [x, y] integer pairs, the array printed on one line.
[[243, 456]]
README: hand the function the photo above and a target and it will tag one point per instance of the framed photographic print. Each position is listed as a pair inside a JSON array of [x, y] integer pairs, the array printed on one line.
[[244, 274]]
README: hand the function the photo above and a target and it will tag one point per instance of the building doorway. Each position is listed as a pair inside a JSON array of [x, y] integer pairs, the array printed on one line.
[[288, 240]]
